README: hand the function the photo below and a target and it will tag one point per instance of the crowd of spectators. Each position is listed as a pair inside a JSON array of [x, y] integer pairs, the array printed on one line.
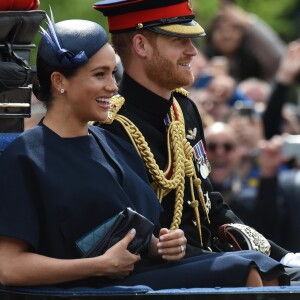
[[245, 88]]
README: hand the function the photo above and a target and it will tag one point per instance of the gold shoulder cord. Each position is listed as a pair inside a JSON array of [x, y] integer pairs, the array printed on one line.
[[180, 162]]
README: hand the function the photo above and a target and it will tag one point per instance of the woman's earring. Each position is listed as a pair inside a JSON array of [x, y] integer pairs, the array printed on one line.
[[62, 91]]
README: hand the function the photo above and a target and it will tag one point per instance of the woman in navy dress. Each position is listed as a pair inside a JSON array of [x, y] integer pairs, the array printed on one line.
[[64, 177]]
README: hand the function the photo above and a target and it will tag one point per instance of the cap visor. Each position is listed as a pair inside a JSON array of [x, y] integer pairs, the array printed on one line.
[[189, 30]]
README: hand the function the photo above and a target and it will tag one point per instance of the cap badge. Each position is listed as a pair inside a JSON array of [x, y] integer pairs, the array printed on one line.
[[139, 26], [191, 134]]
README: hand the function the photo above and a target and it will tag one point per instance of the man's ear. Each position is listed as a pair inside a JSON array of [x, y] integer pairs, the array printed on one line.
[[140, 45]]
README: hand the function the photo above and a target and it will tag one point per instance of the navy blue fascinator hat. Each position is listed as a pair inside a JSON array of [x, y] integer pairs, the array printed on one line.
[[70, 43]]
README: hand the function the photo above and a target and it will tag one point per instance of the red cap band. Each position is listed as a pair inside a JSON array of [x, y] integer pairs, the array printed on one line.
[[130, 20], [6, 5]]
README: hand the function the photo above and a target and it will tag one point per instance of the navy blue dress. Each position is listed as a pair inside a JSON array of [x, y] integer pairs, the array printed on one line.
[[54, 190]]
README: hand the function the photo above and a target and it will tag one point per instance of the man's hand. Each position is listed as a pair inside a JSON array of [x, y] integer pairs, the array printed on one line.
[[270, 156], [289, 67]]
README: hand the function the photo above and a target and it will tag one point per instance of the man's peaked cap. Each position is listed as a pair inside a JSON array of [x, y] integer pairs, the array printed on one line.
[[169, 17]]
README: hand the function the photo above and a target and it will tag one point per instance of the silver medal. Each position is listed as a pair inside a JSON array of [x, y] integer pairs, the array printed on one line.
[[203, 171]]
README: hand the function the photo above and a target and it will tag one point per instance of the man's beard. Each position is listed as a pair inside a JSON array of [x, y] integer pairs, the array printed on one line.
[[166, 74]]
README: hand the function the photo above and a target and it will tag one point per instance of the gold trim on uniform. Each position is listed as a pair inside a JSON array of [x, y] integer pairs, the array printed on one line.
[[184, 30], [115, 103], [182, 91], [180, 161]]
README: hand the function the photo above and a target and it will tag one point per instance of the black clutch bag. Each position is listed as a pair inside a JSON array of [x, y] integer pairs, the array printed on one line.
[[104, 236]]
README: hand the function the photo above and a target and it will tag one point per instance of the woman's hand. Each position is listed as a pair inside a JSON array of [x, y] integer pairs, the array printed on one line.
[[117, 261], [170, 246]]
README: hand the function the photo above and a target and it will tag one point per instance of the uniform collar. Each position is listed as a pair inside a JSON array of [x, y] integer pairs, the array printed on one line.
[[142, 98]]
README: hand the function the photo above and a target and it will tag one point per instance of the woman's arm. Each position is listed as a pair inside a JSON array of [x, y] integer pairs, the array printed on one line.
[[18, 266], [286, 75]]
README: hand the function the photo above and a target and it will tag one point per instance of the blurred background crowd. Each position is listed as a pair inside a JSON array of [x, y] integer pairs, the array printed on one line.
[[246, 90], [247, 76]]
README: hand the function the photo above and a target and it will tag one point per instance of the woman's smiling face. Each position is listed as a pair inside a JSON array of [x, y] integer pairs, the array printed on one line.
[[91, 88]]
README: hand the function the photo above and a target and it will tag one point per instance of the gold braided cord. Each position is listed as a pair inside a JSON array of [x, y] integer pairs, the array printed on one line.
[[145, 152], [191, 172], [197, 184], [179, 194], [179, 115], [175, 136], [180, 164], [194, 205], [161, 182]]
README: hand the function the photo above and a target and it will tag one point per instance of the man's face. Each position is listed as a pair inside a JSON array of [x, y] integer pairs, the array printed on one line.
[[169, 62], [227, 37], [90, 88], [222, 152]]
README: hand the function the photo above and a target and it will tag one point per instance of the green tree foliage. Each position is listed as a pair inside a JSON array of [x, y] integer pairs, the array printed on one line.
[[73, 9], [282, 16]]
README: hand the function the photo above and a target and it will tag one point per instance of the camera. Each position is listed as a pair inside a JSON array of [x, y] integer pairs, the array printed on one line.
[[18, 29], [291, 146]]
